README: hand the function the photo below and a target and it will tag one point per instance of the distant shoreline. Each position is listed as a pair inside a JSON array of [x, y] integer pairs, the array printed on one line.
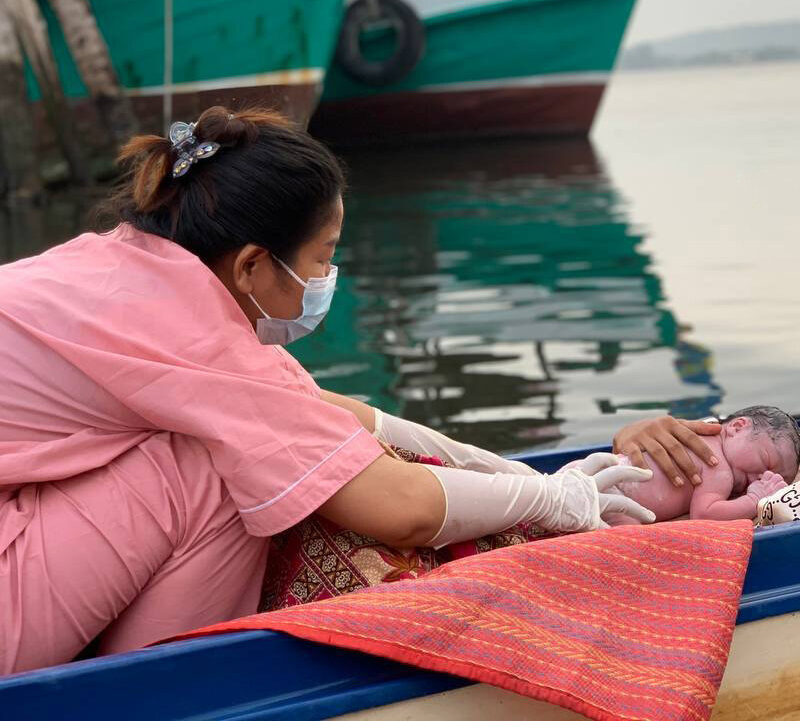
[[717, 47], [704, 66]]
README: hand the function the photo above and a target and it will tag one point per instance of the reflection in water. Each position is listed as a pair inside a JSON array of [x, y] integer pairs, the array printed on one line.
[[476, 283], [477, 279]]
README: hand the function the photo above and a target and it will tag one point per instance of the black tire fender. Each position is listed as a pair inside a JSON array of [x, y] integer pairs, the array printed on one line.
[[409, 41]]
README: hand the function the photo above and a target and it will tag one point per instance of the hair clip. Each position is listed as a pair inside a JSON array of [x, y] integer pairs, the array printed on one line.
[[189, 150], [180, 133]]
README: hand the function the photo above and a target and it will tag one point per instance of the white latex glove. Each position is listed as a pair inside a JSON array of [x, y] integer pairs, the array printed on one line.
[[566, 501], [601, 467], [419, 439]]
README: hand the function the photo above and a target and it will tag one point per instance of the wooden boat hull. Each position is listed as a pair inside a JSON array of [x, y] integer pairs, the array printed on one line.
[[266, 675], [489, 68], [538, 108], [223, 53]]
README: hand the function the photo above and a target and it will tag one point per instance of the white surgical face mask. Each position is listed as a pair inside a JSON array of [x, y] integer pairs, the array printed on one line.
[[317, 296]]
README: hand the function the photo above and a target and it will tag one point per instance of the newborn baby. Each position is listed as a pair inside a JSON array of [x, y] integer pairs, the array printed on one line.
[[757, 450]]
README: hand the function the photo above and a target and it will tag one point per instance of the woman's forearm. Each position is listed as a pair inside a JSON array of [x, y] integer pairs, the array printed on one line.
[[421, 439], [409, 504], [400, 504], [415, 437]]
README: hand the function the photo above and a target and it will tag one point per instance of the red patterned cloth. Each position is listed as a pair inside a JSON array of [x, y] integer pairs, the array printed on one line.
[[316, 559], [633, 622]]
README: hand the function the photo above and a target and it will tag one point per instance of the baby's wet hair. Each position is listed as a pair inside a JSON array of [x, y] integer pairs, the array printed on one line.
[[776, 423]]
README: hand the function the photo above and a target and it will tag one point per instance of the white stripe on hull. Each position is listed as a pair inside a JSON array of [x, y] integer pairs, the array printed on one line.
[[530, 81], [431, 8], [306, 76]]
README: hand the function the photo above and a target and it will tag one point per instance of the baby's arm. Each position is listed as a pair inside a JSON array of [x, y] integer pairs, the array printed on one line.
[[710, 500]]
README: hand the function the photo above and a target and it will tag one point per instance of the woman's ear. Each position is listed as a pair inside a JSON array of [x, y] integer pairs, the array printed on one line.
[[249, 267]]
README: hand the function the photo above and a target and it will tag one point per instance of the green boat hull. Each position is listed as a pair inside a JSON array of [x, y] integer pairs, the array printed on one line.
[[514, 67], [232, 52]]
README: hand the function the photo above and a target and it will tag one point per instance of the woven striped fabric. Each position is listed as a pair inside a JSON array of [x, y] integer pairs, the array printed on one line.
[[633, 622]]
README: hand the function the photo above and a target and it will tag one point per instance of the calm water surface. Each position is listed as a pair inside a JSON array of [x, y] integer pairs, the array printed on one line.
[[520, 294]]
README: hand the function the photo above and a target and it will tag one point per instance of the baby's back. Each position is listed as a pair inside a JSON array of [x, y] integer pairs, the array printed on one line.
[[659, 494]]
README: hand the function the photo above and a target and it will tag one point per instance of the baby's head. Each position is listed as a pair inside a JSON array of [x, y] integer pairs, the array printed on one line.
[[758, 439]]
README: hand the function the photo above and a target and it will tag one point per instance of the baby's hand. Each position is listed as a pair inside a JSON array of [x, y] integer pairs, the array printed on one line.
[[765, 486]]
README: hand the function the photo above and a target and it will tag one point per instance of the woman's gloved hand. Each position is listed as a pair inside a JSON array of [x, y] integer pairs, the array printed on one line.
[[666, 440], [606, 471], [420, 439], [566, 501]]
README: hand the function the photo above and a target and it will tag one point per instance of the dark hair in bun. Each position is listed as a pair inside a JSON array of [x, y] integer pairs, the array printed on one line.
[[270, 183]]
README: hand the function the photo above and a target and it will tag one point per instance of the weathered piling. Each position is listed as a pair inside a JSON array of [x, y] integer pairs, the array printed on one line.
[[90, 52], [19, 165], [31, 29]]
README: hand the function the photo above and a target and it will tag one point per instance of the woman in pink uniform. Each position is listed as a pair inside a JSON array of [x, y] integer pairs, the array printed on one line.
[[154, 433]]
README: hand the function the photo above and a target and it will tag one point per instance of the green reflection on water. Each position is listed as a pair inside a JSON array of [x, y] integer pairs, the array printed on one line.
[[476, 278], [476, 281]]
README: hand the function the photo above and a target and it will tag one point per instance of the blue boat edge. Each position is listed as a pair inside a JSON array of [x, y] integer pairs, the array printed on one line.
[[268, 675]]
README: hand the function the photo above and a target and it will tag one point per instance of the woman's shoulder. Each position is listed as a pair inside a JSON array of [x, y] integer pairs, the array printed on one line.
[[92, 248], [130, 256], [299, 378], [126, 284]]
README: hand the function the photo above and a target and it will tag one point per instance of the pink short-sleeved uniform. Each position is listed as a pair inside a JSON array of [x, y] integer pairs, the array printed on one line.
[[148, 446]]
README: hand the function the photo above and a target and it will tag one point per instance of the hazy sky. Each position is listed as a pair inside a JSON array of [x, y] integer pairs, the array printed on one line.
[[662, 18]]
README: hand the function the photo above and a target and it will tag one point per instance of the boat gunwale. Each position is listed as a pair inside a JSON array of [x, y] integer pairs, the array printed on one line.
[[333, 681], [481, 9]]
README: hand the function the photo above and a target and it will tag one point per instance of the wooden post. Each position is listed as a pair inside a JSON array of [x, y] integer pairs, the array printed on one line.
[[31, 30], [89, 49], [168, 61], [19, 171]]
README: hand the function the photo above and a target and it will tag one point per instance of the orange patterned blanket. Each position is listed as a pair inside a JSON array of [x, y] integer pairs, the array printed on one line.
[[633, 622]]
